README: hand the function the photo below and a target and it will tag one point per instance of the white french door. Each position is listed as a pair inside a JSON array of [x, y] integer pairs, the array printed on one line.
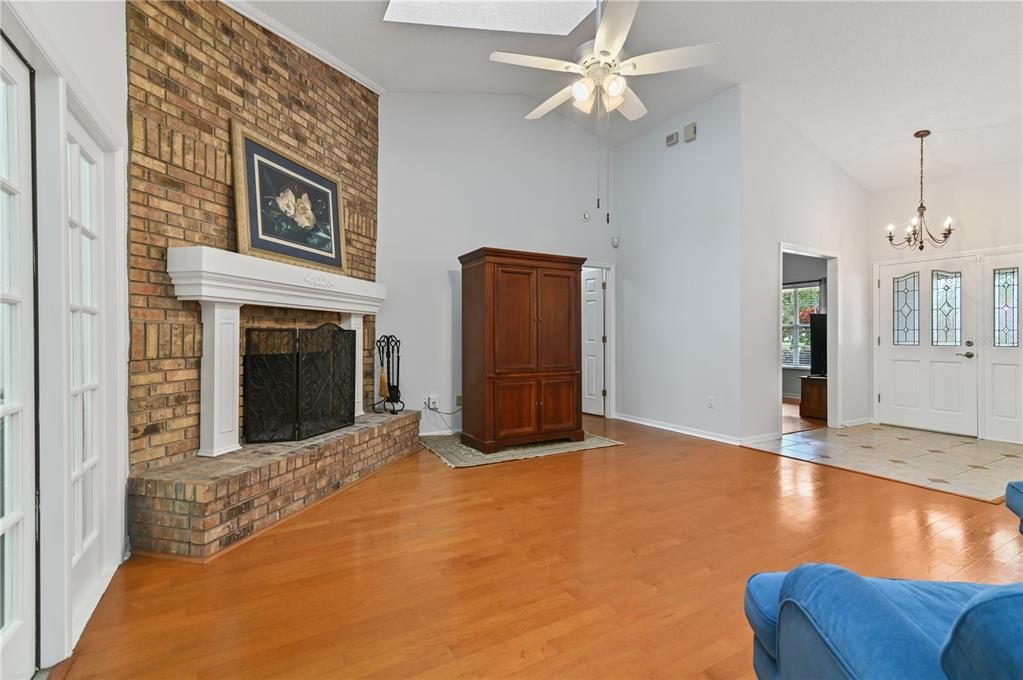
[[17, 375], [594, 341], [949, 358], [85, 389]]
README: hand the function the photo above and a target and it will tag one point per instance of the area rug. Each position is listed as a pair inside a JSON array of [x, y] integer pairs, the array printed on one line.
[[458, 455]]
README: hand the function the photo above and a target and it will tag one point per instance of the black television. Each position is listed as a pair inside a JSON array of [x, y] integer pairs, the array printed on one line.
[[818, 344]]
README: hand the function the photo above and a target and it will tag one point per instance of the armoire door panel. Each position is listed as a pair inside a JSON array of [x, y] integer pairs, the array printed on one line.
[[559, 406], [515, 407], [514, 319], [559, 327]]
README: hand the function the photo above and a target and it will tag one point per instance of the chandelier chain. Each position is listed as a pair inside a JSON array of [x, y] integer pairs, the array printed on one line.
[[921, 171]]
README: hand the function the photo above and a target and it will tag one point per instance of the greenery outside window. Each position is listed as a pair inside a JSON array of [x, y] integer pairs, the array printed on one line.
[[797, 304]]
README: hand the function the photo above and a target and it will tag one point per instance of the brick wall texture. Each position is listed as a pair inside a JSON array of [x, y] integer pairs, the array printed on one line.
[[192, 68]]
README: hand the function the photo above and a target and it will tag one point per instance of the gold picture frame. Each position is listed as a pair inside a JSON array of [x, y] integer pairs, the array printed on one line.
[[286, 209]]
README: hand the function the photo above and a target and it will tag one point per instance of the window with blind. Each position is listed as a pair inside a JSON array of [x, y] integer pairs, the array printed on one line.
[[797, 304]]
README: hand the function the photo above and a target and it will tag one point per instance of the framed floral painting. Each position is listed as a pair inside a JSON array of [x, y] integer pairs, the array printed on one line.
[[286, 210]]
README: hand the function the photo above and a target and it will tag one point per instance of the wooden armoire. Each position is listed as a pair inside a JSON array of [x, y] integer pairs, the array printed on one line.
[[521, 348]]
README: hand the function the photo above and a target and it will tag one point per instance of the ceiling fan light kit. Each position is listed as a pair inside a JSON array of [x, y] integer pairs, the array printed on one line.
[[917, 231], [597, 61]]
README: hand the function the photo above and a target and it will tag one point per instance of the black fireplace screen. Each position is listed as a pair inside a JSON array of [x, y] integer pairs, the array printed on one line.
[[298, 382]]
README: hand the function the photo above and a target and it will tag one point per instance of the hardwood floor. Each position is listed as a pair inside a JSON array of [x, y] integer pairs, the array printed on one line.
[[792, 422], [627, 562]]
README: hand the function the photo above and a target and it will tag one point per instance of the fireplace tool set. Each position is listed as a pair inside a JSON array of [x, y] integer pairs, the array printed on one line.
[[389, 352]]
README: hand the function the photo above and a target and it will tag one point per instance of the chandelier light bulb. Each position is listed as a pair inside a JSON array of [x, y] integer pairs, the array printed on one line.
[[909, 229], [891, 228], [614, 85], [915, 221], [582, 89], [948, 221]]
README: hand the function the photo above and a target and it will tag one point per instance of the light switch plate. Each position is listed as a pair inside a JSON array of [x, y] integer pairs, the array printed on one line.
[[690, 132]]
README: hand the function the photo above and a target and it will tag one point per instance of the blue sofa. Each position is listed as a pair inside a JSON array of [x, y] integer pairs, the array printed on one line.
[[820, 621], [1014, 500]]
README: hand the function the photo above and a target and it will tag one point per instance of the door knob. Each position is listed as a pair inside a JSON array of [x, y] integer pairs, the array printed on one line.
[[968, 355]]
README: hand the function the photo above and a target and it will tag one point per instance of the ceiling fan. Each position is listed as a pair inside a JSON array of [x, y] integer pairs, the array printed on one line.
[[603, 69]]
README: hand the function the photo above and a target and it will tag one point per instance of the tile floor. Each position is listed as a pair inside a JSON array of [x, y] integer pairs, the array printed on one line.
[[960, 465]]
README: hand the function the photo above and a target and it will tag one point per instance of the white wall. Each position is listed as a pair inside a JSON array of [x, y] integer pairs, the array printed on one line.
[[792, 193], [678, 271], [458, 172], [802, 268], [87, 41], [986, 204]]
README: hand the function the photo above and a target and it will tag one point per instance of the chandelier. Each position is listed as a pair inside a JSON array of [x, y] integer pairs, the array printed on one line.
[[917, 232]]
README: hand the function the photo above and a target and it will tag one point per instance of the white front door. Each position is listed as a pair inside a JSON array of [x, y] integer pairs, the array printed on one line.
[[17, 375], [929, 345], [1002, 355], [594, 341]]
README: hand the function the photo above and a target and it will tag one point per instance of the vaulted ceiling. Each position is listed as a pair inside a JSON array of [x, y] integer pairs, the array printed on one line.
[[855, 78]]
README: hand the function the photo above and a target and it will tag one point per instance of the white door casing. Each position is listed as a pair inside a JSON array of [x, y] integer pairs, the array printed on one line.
[[1001, 366], [594, 340], [928, 345], [17, 375]]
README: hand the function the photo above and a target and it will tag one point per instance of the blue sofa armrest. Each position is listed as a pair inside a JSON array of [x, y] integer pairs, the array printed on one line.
[[833, 623], [986, 640]]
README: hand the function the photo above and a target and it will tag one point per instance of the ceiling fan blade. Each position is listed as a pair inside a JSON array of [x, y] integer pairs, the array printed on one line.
[[614, 26], [669, 60], [631, 107], [559, 98], [535, 62]]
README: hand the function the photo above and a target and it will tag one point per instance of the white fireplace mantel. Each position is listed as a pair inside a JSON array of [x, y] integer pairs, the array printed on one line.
[[222, 282]]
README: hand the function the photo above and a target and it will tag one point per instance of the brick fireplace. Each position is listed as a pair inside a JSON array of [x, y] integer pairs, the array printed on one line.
[[199, 506], [195, 487]]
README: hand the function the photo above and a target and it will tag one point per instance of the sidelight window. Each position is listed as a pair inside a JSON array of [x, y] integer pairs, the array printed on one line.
[[1006, 307]]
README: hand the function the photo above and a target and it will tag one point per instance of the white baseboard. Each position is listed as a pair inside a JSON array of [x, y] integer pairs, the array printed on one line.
[[713, 436], [792, 396], [759, 439], [437, 433], [856, 421]]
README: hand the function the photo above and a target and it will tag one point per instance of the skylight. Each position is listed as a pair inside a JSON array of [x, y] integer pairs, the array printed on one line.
[[557, 17]]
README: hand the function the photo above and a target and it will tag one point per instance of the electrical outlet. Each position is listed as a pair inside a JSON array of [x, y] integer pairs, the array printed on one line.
[[712, 401], [458, 400], [432, 402]]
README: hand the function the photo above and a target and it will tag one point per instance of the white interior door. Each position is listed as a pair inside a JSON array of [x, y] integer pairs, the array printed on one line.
[[594, 341], [928, 345], [17, 379], [1002, 356]]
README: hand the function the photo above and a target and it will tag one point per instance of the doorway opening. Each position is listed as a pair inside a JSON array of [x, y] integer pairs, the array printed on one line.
[[806, 336], [598, 340]]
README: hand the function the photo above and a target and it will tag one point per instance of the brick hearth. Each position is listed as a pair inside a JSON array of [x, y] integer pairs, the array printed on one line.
[[200, 506]]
